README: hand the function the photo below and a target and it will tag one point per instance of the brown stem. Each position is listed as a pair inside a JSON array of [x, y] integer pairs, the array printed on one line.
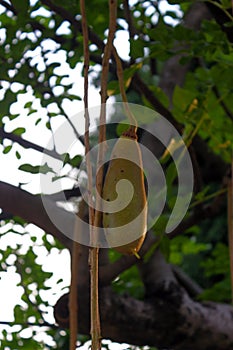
[[94, 252], [94, 285], [73, 300], [230, 225], [120, 76]]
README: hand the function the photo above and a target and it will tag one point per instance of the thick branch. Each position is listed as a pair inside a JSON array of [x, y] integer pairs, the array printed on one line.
[[167, 318], [29, 207]]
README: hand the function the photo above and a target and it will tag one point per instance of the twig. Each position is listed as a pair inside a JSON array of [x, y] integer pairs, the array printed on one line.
[[220, 6], [224, 106], [79, 137], [131, 28], [28, 144], [129, 19], [208, 197], [204, 213]]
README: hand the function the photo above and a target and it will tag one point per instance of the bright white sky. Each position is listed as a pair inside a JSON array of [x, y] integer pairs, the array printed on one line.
[[56, 262]]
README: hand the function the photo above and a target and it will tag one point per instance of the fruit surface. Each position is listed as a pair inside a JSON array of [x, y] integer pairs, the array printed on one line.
[[125, 211]]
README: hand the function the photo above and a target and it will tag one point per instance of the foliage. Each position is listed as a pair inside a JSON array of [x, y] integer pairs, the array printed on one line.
[[41, 56]]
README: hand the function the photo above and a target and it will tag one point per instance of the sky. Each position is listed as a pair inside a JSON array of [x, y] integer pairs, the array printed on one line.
[[57, 262]]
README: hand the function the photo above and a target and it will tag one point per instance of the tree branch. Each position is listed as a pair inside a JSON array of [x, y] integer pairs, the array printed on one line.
[[191, 287], [8, 6], [28, 144], [167, 318], [76, 24], [30, 208]]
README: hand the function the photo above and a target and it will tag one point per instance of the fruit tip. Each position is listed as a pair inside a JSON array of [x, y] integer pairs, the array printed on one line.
[[136, 254]]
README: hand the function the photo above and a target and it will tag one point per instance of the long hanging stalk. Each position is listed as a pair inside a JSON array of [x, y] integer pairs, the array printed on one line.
[[95, 216], [73, 303], [230, 225], [94, 252], [73, 300], [120, 76]]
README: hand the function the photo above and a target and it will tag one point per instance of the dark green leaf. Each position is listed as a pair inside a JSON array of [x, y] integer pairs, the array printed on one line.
[[7, 149], [137, 48], [43, 169], [28, 104], [19, 131], [76, 161], [18, 155]]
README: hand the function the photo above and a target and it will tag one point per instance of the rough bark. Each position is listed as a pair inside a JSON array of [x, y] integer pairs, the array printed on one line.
[[166, 318]]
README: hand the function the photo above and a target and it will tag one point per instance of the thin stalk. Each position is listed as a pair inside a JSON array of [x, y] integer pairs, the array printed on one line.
[[190, 138], [207, 198], [120, 76], [94, 252], [93, 215], [230, 225], [73, 304]]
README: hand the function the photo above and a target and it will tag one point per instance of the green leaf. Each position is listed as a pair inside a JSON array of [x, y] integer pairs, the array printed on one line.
[[21, 6], [19, 131], [48, 125], [28, 104], [7, 149], [13, 116], [182, 98], [137, 48], [32, 111], [226, 4], [43, 169], [76, 161], [8, 100], [38, 121], [18, 155]]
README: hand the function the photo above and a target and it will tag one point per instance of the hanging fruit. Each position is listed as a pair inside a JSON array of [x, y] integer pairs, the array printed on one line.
[[127, 221]]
